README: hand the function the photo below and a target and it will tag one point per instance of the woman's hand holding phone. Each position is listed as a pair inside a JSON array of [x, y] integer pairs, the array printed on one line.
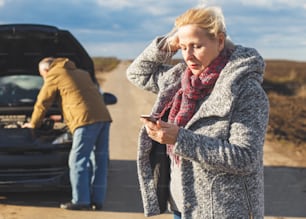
[[149, 118]]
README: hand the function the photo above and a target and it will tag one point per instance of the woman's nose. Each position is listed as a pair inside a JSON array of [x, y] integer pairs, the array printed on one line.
[[189, 54]]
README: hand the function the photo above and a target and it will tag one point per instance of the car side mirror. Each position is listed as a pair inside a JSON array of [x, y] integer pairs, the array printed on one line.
[[109, 98]]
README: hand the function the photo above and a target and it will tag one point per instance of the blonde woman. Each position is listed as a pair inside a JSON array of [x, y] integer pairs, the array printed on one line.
[[212, 117]]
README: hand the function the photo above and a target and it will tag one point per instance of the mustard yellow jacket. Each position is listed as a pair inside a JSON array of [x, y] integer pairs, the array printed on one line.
[[80, 100]]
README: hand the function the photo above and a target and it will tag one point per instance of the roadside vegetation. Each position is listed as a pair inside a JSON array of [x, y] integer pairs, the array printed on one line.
[[285, 83], [105, 64]]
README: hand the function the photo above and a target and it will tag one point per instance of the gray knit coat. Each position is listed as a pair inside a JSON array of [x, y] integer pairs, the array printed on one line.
[[221, 146]]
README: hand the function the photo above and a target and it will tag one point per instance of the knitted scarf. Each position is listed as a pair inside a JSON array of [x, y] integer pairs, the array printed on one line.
[[193, 88]]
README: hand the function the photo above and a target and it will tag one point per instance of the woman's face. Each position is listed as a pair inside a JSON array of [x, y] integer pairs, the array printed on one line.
[[198, 49]]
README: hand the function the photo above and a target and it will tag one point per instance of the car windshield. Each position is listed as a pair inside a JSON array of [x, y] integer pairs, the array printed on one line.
[[19, 90]]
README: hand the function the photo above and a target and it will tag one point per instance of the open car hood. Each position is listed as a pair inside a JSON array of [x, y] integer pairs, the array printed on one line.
[[22, 46]]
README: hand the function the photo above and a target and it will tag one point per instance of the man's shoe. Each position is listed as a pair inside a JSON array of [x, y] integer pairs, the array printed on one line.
[[71, 206], [96, 207]]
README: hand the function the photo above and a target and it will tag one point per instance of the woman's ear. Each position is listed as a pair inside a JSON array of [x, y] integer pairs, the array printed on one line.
[[221, 41]]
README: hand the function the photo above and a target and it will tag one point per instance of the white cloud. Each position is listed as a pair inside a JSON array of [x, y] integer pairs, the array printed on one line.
[[123, 50], [292, 3], [283, 53], [115, 4], [271, 4], [2, 3], [156, 9], [273, 26], [152, 7], [275, 4]]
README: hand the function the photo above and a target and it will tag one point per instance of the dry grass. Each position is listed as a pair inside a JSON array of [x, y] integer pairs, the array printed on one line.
[[285, 83], [105, 64]]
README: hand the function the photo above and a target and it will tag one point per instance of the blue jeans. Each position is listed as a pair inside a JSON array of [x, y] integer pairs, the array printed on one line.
[[177, 215], [88, 163]]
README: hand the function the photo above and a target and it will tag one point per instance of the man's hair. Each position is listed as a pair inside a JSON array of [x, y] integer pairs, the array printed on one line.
[[45, 63]]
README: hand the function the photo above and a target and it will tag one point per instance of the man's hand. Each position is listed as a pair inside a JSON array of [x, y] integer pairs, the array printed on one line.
[[56, 118], [27, 125]]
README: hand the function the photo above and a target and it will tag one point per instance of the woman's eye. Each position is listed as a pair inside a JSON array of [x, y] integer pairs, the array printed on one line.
[[196, 46]]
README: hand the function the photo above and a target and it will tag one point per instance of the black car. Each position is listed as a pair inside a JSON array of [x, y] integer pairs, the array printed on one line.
[[34, 159]]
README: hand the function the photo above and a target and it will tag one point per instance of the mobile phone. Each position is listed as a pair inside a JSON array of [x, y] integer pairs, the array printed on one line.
[[149, 118]]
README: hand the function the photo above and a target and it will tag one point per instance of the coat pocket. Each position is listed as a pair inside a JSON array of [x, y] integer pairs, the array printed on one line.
[[230, 198], [248, 199]]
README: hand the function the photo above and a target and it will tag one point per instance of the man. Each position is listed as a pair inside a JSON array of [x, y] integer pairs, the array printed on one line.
[[88, 119]]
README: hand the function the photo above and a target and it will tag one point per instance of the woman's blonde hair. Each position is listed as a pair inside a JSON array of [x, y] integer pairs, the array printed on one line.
[[209, 18]]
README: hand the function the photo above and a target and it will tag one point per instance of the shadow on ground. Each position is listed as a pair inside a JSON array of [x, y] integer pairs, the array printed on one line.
[[285, 191], [123, 191]]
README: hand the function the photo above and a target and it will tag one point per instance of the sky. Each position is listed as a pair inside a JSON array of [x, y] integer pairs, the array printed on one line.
[[123, 28]]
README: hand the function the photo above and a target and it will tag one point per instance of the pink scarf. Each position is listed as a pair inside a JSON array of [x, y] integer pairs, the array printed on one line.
[[193, 88]]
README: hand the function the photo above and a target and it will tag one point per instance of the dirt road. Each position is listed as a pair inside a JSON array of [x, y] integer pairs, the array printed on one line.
[[285, 180], [123, 199]]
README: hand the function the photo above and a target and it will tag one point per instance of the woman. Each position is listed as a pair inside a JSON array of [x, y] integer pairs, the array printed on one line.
[[216, 117]]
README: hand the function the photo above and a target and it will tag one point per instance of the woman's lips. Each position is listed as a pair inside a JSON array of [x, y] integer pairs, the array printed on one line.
[[193, 66]]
